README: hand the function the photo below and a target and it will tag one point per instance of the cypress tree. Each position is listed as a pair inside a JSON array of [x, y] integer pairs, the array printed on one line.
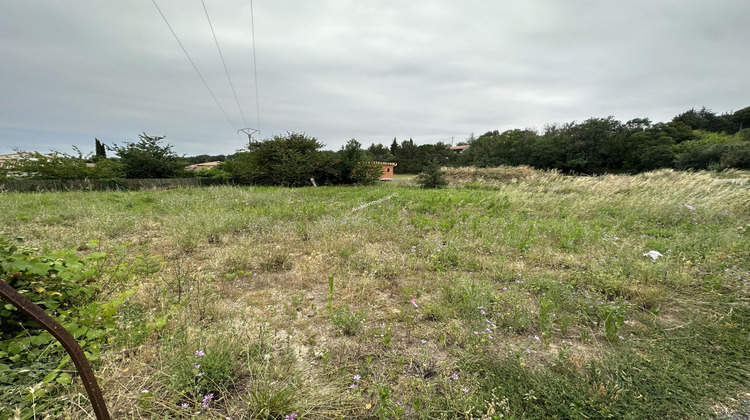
[[394, 147], [100, 151]]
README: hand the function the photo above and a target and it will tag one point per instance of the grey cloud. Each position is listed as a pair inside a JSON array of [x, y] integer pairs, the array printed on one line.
[[336, 70]]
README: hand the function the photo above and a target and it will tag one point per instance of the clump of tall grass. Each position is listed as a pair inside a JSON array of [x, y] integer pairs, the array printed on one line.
[[489, 176]]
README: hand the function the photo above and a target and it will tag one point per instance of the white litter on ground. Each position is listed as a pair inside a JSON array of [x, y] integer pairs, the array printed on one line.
[[653, 254]]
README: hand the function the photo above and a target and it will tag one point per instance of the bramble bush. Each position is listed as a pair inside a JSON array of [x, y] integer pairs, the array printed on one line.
[[68, 287]]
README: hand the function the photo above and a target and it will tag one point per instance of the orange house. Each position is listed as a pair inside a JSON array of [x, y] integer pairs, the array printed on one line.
[[387, 170]]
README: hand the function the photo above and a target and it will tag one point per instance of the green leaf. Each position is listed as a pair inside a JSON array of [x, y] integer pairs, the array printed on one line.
[[38, 268], [38, 393], [94, 334], [39, 340], [109, 312], [51, 377], [64, 379], [15, 347], [80, 332], [97, 256], [15, 266]]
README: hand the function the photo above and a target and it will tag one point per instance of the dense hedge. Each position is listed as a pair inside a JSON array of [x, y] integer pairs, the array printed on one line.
[[35, 185]]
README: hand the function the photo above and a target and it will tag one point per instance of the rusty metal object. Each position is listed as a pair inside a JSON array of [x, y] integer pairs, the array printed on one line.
[[69, 343]]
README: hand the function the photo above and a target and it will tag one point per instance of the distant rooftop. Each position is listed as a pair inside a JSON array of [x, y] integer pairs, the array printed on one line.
[[459, 149], [204, 165]]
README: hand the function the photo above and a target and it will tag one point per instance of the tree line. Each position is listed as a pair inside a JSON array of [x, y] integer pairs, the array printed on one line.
[[294, 159], [693, 140]]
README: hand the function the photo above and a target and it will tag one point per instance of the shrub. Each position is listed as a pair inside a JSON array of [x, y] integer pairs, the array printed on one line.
[[293, 159], [736, 156], [214, 173], [432, 177], [356, 166], [63, 166], [701, 156], [148, 158], [366, 172], [66, 286], [289, 161]]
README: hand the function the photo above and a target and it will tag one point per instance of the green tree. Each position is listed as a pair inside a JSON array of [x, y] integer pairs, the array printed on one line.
[[432, 177], [705, 152], [439, 152], [546, 152], [191, 160], [326, 172], [356, 166], [736, 156], [706, 120], [679, 131], [741, 118], [100, 151], [148, 158], [289, 160], [492, 148], [407, 157], [648, 150], [394, 147], [379, 152], [584, 144]]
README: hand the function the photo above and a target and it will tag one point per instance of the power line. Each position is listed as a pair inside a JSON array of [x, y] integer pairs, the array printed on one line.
[[194, 66], [223, 62], [255, 63]]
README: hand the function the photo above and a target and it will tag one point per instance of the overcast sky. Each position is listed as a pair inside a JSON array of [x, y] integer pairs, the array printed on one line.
[[371, 70]]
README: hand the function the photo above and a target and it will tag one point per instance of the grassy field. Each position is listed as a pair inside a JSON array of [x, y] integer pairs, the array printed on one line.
[[512, 294]]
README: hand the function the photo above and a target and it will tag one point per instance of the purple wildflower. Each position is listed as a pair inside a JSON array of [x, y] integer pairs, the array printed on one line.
[[207, 400]]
